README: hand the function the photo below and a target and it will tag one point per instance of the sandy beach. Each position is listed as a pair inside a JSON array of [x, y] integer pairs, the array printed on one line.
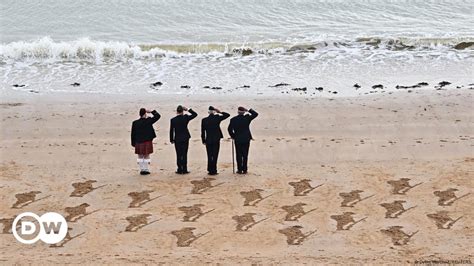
[[362, 145]]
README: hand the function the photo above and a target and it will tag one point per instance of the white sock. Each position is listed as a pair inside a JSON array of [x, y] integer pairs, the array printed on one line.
[[146, 163], [141, 164]]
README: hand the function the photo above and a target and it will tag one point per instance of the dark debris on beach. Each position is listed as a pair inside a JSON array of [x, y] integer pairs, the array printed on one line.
[[378, 86], [243, 87], [299, 89], [279, 85], [212, 88], [419, 85], [442, 84]]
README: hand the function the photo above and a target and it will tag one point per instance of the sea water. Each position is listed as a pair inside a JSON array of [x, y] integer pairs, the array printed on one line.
[[241, 47]]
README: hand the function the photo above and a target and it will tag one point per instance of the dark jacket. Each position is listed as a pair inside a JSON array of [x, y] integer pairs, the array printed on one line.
[[142, 129], [179, 127], [239, 127], [211, 128]]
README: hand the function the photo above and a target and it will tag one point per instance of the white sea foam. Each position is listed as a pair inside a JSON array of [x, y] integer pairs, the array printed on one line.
[[47, 50]]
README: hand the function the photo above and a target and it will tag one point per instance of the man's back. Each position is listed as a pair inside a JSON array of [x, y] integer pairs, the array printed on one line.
[[142, 129], [239, 127], [210, 128], [179, 127]]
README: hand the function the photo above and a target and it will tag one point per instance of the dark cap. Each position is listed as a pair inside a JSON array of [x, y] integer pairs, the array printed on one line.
[[241, 109], [179, 109], [211, 108], [142, 111]]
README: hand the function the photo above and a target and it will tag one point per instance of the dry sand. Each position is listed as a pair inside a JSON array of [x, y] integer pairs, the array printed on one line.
[[346, 144]]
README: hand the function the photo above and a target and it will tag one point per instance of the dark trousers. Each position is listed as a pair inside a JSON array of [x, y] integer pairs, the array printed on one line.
[[212, 154], [182, 155], [242, 153]]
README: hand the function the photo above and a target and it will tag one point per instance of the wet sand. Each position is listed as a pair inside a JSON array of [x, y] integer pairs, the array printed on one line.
[[331, 147]]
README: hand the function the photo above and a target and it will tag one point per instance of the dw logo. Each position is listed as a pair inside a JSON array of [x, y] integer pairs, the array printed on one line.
[[28, 228]]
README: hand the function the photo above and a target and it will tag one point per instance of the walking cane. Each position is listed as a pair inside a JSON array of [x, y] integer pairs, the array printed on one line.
[[233, 165]]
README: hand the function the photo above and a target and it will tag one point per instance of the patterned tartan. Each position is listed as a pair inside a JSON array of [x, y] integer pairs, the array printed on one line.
[[144, 147]]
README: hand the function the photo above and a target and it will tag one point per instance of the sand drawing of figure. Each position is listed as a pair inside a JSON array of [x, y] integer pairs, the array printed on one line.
[[137, 222], [24, 199], [140, 198], [345, 221], [253, 197], [77, 212], [350, 199], [398, 236], [442, 219], [7, 224], [302, 187], [296, 211], [185, 236], [395, 209], [246, 221], [192, 213], [83, 188], [401, 186], [448, 197], [294, 234]]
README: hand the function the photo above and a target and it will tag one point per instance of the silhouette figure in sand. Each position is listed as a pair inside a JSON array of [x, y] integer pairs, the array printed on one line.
[[294, 235], [77, 212], [302, 187], [203, 185], [395, 208], [350, 199], [253, 197], [296, 211], [140, 198], [192, 213], [136, 222], [186, 236], [24, 199], [7, 224], [246, 221], [448, 197], [398, 236], [401, 186], [83, 188], [345, 221], [442, 219]]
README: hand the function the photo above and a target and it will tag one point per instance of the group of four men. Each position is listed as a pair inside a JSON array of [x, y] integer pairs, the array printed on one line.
[[143, 133]]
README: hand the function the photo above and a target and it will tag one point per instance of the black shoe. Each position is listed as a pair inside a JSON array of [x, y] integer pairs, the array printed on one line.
[[213, 173], [144, 172], [240, 172], [179, 172], [186, 172], [244, 172]]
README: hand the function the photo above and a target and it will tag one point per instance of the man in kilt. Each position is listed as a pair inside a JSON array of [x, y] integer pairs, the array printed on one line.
[[142, 136]]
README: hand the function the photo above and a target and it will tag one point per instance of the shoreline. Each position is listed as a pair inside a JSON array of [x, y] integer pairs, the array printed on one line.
[[296, 93]]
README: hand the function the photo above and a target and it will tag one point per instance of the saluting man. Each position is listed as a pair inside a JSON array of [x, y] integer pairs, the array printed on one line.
[[239, 130], [179, 136], [142, 136], [211, 135]]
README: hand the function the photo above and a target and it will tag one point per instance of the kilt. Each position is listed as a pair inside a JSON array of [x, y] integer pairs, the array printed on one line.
[[144, 147]]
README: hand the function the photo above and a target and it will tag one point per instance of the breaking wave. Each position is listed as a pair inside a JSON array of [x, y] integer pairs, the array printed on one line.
[[85, 49]]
